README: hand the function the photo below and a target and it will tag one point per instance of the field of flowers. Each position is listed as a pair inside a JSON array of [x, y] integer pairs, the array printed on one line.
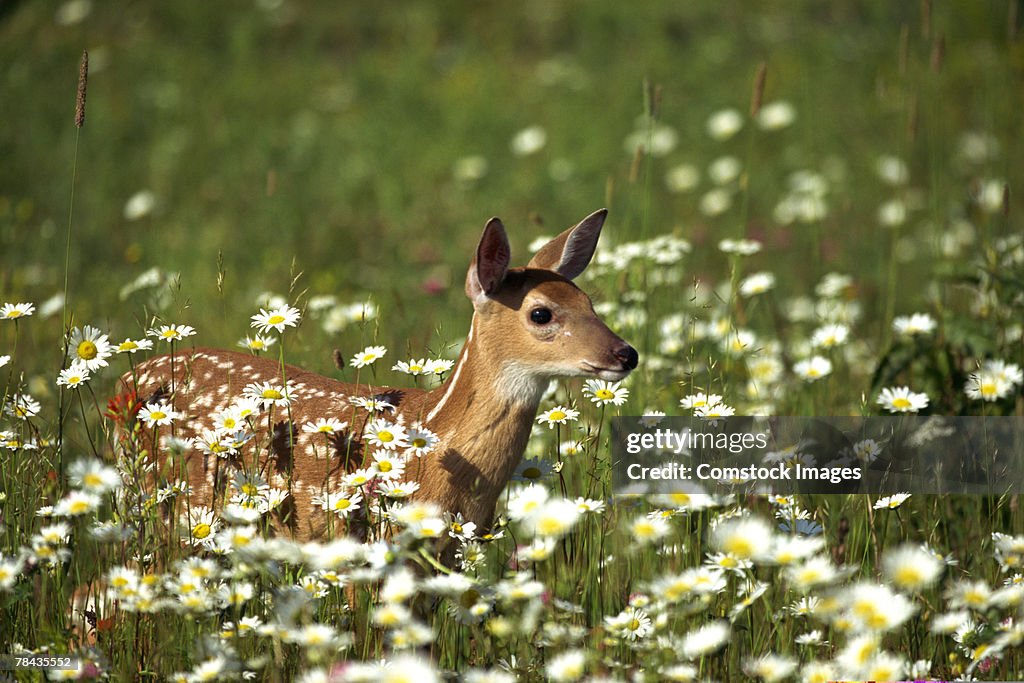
[[829, 227]]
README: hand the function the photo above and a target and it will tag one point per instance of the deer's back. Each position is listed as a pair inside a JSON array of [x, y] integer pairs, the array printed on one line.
[[202, 383]]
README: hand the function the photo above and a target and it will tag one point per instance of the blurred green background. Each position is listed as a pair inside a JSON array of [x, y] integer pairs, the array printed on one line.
[[365, 144]]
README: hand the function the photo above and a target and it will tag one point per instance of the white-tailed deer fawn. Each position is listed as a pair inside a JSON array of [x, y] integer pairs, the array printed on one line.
[[529, 325]]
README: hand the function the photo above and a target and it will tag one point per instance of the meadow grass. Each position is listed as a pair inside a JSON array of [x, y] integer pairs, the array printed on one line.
[[342, 162]]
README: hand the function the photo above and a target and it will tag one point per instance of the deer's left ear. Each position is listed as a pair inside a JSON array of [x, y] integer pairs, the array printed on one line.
[[490, 264], [569, 253]]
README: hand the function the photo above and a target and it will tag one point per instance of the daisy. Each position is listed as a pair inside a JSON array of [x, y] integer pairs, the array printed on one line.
[[73, 377], [460, 529], [267, 394], [89, 348], [171, 333], [758, 283], [398, 490], [558, 415], [715, 411], [914, 325], [987, 386], [421, 440], [603, 392], [386, 435], [371, 404], [158, 414], [367, 356], [412, 367], [699, 400], [257, 343], [553, 519], [228, 421], [341, 504], [813, 368], [570, 448], [276, 319], [389, 466], [649, 529], [585, 505], [15, 311], [830, 336], [324, 426], [705, 640], [566, 666], [133, 345], [438, 366], [94, 476], [632, 624], [912, 568], [526, 502], [77, 503], [359, 477], [891, 502], [531, 470], [200, 526], [651, 418], [902, 400], [739, 342], [770, 668], [741, 247], [23, 406], [725, 123], [745, 538]]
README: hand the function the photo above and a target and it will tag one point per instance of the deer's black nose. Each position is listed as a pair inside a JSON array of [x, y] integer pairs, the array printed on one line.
[[627, 355]]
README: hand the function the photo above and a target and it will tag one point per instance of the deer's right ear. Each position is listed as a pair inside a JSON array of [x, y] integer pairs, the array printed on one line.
[[487, 271]]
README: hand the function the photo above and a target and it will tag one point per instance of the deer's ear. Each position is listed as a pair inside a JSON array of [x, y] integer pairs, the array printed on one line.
[[487, 271], [569, 253]]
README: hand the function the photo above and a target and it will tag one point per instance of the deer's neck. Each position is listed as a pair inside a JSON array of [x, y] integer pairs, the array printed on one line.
[[485, 410]]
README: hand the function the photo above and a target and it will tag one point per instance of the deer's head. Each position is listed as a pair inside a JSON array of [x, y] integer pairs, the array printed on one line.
[[534, 321]]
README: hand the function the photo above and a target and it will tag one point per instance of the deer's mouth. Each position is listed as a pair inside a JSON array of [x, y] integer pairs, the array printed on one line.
[[610, 374]]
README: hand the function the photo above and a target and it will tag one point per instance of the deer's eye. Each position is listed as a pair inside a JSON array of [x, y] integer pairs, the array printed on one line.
[[540, 316]]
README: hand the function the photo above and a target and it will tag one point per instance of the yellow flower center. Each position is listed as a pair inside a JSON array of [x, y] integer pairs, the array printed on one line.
[[250, 489], [272, 394], [415, 368], [901, 403], [92, 479], [385, 436], [157, 415], [385, 466], [634, 624], [532, 473], [342, 504], [201, 530], [257, 345], [604, 394], [87, 350], [907, 577], [275, 320], [128, 345], [169, 334], [739, 547], [988, 389], [556, 415], [419, 443]]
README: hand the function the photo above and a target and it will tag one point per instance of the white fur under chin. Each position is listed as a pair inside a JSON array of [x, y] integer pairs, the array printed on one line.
[[522, 384]]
